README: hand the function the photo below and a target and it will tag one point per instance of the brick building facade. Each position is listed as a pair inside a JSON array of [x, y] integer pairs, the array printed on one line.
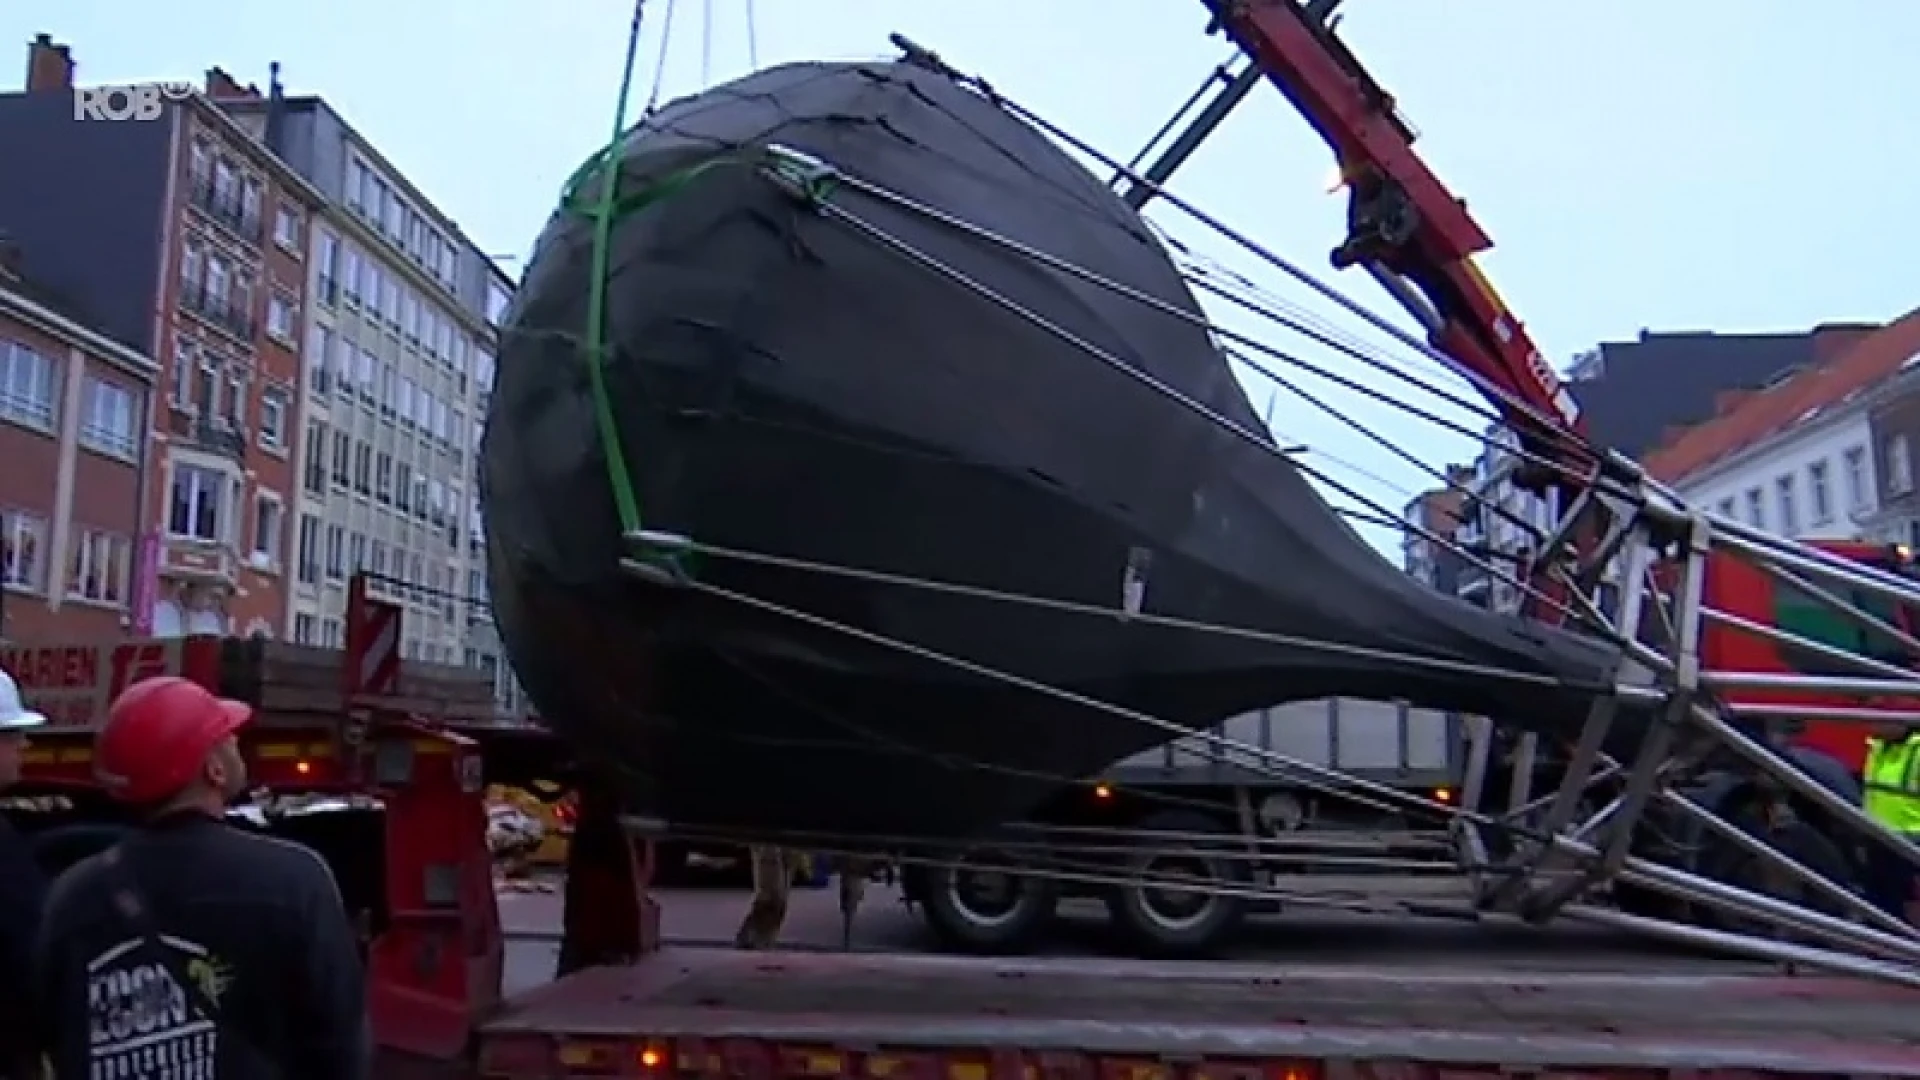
[[74, 410], [187, 239]]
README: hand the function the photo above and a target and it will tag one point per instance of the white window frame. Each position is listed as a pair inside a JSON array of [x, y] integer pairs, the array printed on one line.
[[219, 279], [1899, 465], [235, 416], [334, 553], [250, 196], [186, 364], [276, 407], [1859, 481], [1820, 491], [29, 386], [205, 483], [308, 549], [319, 348], [286, 229], [23, 550], [283, 317], [352, 272], [110, 418], [268, 509], [90, 583]]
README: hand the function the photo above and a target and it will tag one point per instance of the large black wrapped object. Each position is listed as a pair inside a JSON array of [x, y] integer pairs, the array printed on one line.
[[786, 385]]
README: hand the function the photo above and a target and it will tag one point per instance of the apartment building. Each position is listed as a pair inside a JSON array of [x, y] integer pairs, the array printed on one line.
[[1893, 432], [1429, 553], [74, 408], [399, 354], [1637, 396], [184, 238], [1796, 457]]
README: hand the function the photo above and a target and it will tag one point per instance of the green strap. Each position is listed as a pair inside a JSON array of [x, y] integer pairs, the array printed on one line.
[[609, 207], [626, 503]]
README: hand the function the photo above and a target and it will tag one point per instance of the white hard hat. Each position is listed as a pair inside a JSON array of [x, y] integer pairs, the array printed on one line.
[[14, 715]]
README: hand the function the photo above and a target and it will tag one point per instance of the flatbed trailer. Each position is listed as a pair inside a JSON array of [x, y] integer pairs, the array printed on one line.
[[713, 1013], [625, 1006]]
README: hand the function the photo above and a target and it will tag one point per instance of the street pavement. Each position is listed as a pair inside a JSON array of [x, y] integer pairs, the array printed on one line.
[[710, 916]]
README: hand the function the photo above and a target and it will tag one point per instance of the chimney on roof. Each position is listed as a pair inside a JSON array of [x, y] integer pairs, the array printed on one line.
[[49, 65], [275, 135], [222, 87]]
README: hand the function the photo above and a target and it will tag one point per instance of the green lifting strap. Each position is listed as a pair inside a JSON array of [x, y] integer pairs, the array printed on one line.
[[626, 503], [606, 207]]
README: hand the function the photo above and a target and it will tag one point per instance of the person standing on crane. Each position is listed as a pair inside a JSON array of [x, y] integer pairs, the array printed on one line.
[[246, 934], [23, 896], [1892, 798]]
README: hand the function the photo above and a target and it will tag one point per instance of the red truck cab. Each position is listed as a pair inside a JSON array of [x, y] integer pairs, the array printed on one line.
[[1741, 587]]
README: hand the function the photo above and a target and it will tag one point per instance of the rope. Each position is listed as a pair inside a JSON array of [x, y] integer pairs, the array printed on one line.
[[1379, 323], [812, 181], [1144, 618], [660, 63], [753, 37]]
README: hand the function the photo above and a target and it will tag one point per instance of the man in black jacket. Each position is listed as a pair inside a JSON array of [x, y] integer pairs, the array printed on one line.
[[193, 948], [23, 896]]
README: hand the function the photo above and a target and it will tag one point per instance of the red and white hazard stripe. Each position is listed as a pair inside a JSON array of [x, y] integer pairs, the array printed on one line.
[[373, 643]]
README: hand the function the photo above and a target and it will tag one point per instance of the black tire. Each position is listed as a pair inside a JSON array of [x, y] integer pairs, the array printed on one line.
[[983, 913], [1180, 924]]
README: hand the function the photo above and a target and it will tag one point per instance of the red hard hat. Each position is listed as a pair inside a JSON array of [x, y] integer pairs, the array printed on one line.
[[158, 735]]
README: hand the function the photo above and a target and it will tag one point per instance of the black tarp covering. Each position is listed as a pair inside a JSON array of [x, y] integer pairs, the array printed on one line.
[[785, 385]]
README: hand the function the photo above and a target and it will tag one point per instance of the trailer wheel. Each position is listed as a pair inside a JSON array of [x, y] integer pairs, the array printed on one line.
[[982, 911], [1178, 922]]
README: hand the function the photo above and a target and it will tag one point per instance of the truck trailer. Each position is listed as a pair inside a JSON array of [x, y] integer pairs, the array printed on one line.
[[368, 724], [412, 858], [1185, 808]]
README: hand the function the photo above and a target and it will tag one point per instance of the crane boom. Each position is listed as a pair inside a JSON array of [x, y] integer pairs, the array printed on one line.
[[1404, 226]]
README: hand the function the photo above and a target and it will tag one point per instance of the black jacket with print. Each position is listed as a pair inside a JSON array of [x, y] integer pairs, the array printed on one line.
[[197, 950], [23, 898]]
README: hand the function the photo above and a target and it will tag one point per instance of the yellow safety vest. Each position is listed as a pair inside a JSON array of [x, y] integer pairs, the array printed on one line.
[[1892, 775]]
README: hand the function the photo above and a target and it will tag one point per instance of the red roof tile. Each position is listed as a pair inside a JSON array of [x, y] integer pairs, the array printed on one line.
[[1778, 409]]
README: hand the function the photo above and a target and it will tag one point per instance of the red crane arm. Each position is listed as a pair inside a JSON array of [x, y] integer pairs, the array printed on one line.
[[1403, 223]]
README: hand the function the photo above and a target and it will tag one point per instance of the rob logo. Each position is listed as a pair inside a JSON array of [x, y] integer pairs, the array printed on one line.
[[143, 101]]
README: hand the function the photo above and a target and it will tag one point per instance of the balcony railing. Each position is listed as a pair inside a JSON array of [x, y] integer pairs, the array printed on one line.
[[217, 309], [220, 437], [226, 208]]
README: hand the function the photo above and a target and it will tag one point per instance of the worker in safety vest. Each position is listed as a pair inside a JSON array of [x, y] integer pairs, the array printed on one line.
[[23, 897], [245, 936], [1892, 798]]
